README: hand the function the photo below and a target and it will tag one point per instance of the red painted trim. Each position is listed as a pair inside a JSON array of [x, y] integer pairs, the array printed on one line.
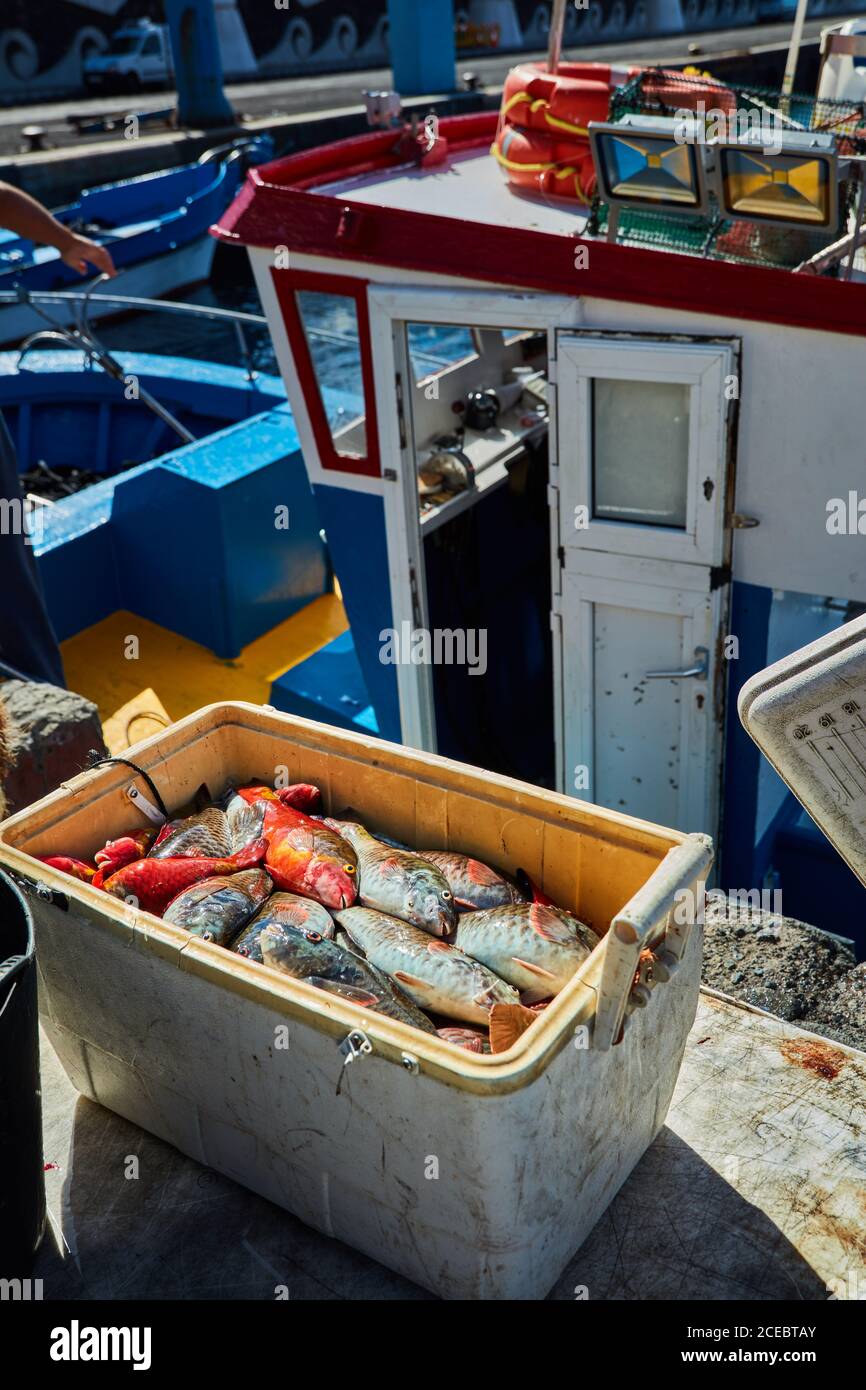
[[273, 210], [286, 284]]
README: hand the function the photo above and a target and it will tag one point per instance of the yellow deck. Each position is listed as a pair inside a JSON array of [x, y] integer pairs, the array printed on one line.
[[172, 677]]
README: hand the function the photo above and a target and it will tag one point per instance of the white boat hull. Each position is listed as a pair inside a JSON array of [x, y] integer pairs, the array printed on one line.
[[162, 275]]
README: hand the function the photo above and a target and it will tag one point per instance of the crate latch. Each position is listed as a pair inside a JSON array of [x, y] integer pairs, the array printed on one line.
[[42, 892], [354, 1046]]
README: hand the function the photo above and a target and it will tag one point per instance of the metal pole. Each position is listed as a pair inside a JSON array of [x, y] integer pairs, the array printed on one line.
[[861, 209], [794, 50], [557, 28]]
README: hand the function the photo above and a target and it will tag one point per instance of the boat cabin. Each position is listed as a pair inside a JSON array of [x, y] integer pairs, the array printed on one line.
[[603, 462]]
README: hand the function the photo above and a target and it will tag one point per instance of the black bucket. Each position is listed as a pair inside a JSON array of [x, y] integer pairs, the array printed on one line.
[[22, 1183]]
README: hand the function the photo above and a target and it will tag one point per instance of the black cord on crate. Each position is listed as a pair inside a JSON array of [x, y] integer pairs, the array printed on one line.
[[97, 761]]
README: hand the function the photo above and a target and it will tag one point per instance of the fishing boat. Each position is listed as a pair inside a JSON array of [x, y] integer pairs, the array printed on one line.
[[593, 464], [156, 488], [155, 227], [654, 412]]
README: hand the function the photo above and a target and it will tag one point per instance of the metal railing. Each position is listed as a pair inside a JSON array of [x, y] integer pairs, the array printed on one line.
[[81, 336]]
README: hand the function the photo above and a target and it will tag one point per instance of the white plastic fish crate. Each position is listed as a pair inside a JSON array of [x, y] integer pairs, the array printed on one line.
[[476, 1176]]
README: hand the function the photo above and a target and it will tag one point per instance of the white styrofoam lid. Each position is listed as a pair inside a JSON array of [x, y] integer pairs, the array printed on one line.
[[807, 714]]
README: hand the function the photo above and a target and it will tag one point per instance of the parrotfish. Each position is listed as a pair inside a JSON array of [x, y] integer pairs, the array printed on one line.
[[284, 909], [216, 909], [534, 947], [204, 835], [435, 976], [475, 886], [400, 883], [305, 955], [76, 867], [302, 796], [153, 883], [305, 855], [124, 850]]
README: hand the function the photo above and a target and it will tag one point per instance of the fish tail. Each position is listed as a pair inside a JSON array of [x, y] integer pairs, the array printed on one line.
[[248, 858], [508, 1022]]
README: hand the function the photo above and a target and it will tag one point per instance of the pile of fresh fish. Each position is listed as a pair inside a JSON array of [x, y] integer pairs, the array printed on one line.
[[432, 938]]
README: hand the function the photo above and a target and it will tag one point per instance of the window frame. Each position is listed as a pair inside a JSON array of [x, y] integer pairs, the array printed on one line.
[[287, 284]]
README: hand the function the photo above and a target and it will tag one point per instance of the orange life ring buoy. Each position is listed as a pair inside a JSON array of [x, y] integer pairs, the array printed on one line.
[[542, 143]]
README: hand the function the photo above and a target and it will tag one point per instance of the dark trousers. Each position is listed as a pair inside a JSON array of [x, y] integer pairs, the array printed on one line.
[[27, 641]]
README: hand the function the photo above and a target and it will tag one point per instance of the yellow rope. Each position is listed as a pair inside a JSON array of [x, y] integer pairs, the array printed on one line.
[[520, 168], [537, 105], [515, 101], [566, 172]]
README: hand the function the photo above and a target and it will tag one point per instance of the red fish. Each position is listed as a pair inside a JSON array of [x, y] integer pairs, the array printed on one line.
[[76, 867], [303, 796], [304, 855], [155, 882], [124, 850]]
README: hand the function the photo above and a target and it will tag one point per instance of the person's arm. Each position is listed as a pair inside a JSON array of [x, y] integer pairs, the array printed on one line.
[[27, 218]]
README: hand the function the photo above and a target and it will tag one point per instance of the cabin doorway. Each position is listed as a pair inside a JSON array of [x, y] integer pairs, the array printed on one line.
[[556, 527]]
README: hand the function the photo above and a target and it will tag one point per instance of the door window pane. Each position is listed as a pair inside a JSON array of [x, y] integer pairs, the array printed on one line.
[[434, 346], [333, 335], [640, 432]]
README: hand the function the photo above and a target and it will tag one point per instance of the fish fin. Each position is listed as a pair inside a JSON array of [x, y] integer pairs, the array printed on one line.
[[202, 798], [439, 946], [364, 998], [507, 1023], [533, 969], [250, 857], [531, 890], [550, 926], [464, 905], [482, 874], [168, 828], [404, 978]]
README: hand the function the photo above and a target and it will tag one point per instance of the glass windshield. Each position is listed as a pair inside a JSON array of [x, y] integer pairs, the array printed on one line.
[[123, 45]]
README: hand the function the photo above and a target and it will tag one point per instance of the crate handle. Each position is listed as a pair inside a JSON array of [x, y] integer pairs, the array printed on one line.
[[650, 911]]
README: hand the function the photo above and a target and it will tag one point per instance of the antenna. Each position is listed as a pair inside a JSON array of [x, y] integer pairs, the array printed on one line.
[[557, 28]]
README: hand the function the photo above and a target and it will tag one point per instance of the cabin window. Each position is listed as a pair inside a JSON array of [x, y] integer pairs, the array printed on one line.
[[333, 336], [433, 347], [640, 451]]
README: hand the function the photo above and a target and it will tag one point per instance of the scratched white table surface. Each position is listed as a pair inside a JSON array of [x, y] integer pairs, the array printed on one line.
[[755, 1189]]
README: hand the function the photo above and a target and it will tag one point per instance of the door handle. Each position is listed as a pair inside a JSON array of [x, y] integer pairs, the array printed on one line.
[[698, 672]]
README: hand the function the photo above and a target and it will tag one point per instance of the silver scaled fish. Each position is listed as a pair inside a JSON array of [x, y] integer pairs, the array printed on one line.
[[435, 976], [475, 885], [535, 947], [284, 910], [399, 882], [305, 955], [216, 909]]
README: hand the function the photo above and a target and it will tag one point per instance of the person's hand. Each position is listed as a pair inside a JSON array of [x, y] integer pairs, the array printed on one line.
[[79, 252]]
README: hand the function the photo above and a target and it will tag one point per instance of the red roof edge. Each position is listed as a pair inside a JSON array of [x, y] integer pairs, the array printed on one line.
[[278, 207]]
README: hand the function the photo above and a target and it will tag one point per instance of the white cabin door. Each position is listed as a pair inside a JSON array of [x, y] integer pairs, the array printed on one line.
[[641, 596]]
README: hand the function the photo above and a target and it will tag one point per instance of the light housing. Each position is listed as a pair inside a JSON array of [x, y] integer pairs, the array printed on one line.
[[793, 181], [650, 162]]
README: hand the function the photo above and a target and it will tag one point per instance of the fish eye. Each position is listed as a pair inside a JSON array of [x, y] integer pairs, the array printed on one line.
[[446, 896], [314, 937], [348, 868]]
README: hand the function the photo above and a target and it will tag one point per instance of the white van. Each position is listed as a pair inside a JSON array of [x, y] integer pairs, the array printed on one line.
[[139, 55]]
